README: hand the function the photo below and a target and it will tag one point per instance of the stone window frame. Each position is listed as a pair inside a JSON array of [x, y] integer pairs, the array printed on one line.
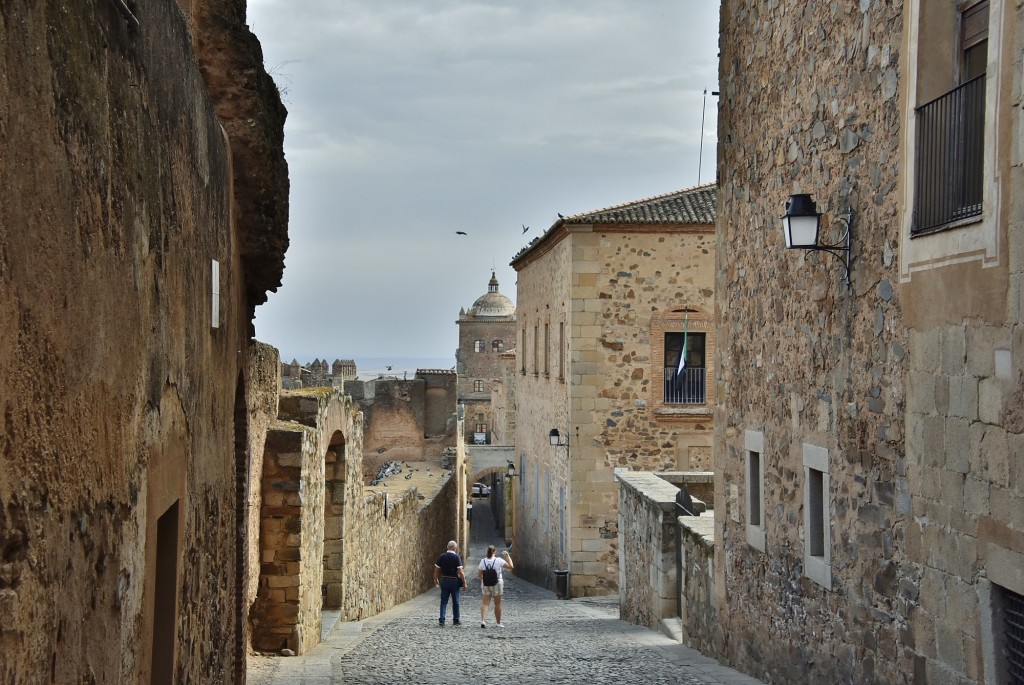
[[817, 515], [561, 351], [547, 349], [929, 61], [753, 444], [537, 343], [522, 352], [696, 319], [478, 386]]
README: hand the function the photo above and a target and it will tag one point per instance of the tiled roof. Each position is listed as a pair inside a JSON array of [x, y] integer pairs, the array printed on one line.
[[688, 206]]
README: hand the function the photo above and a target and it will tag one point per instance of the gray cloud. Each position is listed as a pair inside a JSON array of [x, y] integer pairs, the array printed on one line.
[[410, 120]]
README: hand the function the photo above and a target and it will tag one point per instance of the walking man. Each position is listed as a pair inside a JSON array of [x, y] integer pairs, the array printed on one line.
[[492, 583], [448, 576]]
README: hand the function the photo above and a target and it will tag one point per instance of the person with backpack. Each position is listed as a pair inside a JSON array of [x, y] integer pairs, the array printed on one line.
[[492, 584]]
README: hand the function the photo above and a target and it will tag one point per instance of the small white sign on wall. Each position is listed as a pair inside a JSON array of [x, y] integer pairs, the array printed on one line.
[[214, 293]]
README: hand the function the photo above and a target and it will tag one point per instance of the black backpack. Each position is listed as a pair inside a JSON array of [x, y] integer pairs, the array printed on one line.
[[490, 575]]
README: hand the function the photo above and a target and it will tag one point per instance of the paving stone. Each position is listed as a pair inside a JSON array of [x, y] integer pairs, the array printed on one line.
[[546, 640]]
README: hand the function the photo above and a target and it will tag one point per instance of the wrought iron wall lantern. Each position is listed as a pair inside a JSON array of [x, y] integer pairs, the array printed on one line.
[[801, 226], [510, 472], [557, 439]]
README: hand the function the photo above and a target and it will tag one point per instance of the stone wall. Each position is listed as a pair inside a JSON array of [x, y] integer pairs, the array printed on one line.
[[900, 392], [543, 471], [647, 544], [391, 544], [441, 399], [263, 387], [287, 613], [823, 366], [311, 477], [702, 628], [321, 531], [119, 505], [394, 414], [503, 401]]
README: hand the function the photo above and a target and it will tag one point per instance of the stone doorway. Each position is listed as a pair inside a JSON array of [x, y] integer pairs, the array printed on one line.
[[335, 462]]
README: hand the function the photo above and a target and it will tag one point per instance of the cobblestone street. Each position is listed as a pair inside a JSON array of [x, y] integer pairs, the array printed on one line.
[[545, 640]]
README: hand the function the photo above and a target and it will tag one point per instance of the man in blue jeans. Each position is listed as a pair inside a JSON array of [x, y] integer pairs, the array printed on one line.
[[448, 575]]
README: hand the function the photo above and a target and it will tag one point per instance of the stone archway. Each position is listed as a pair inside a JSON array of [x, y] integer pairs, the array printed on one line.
[[335, 461], [491, 460]]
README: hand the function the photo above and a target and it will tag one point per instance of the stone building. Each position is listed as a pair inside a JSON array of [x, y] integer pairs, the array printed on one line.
[[503, 401], [317, 373], [406, 419], [607, 303], [485, 332], [870, 436], [143, 218]]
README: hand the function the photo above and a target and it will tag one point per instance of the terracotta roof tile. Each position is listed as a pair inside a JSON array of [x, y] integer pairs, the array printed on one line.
[[688, 206]]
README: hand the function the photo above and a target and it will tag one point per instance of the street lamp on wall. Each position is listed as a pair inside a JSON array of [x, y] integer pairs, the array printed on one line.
[[510, 472], [801, 226], [557, 439]]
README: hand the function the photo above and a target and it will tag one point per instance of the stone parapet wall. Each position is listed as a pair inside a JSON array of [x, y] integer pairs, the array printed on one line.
[[702, 629], [647, 566]]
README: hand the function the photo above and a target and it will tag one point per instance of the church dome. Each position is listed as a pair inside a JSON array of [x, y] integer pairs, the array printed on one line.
[[493, 303]]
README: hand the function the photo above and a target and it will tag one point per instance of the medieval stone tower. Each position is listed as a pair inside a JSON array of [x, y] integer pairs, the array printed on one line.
[[485, 332]]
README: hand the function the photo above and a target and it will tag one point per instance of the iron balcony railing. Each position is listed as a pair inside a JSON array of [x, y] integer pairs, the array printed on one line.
[[948, 185], [687, 387]]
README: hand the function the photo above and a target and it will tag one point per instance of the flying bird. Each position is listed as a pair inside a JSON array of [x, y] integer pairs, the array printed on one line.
[[460, 233], [525, 228]]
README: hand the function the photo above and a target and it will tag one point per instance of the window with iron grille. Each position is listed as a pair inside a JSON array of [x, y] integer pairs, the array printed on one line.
[[1013, 637], [478, 386]]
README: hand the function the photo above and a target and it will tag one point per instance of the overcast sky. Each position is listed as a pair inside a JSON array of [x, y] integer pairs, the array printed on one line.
[[410, 120]]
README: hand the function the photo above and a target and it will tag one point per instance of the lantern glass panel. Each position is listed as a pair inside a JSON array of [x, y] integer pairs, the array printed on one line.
[[801, 231]]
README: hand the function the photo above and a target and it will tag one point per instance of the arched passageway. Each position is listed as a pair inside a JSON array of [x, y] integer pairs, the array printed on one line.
[[335, 461]]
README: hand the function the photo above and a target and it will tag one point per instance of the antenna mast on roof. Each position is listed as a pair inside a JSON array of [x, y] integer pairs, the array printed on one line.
[[700, 155]]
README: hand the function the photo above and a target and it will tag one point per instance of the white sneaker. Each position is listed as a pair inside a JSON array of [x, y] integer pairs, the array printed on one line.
[[500, 625]]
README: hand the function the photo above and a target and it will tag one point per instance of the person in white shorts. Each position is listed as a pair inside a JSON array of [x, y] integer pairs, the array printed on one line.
[[495, 591]]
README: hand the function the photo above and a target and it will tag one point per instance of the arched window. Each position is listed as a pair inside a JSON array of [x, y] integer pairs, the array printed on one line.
[[478, 386], [478, 345], [497, 346]]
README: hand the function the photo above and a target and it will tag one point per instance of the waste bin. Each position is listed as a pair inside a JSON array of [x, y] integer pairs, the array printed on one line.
[[562, 584]]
